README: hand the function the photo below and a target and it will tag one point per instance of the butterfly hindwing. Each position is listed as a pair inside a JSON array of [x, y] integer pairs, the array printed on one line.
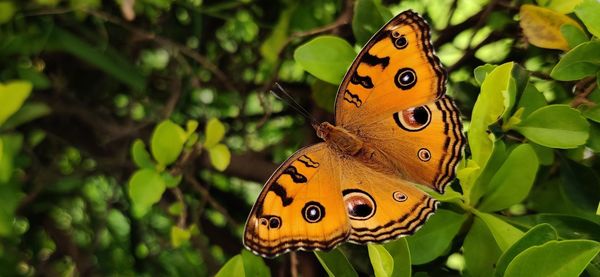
[[382, 207], [396, 69], [300, 206]]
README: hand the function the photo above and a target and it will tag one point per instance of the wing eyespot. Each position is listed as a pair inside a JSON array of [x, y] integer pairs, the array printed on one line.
[[313, 212], [359, 204], [424, 154], [399, 196], [413, 119], [405, 78]]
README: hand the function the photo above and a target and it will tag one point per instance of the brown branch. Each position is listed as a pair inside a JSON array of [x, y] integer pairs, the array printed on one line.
[[192, 54], [586, 86]]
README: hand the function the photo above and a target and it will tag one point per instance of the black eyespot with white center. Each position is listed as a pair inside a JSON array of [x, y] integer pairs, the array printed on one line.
[[405, 78], [359, 204], [424, 155], [313, 212], [399, 40], [271, 221], [399, 196]]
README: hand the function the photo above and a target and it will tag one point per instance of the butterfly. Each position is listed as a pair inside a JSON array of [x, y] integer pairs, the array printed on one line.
[[394, 127]]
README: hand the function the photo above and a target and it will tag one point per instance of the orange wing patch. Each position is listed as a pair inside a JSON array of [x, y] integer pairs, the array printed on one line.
[[397, 69]]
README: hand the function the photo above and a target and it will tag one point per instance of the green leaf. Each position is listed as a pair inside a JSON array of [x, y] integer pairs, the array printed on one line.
[[482, 71], [146, 187], [588, 12], [594, 140], [504, 233], [170, 180], [592, 113], [381, 260], [140, 156], [324, 94], [573, 35], [579, 62], [12, 97], [335, 263], [537, 235], [10, 197], [512, 182], [367, 20], [544, 154], [254, 265], [482, 185], [531, 100], [561, 6], [554, 258], [480, 250], [326, 57], [568, 227], [233, 267], [555, 126], [271, 46], [11, 146], [167, 142], [577, 180], [109, 61], [435, 237], [179, 236], [190, 127], [487, 110], [215, 131], [7, 11], [399, 251], [219, 156], [29, 111]]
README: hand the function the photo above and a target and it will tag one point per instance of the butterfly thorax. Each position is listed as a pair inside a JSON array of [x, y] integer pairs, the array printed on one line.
[[340, 138]]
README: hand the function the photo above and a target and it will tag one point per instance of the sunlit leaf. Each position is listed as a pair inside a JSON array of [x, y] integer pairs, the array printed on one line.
[[366, 20], [581, 61], [504, 233], [145, 189], [513, 180], [554, 258], [326, 57], [573, 35], [219, 156], [140, 155], [167, 142], [538, 235], [233, 267], [179, 236], [28, 112], [381, 260], [254, 265], [480, 250], [400, 252], [12, 97], [588, 12], [215, 130], [555, 126]]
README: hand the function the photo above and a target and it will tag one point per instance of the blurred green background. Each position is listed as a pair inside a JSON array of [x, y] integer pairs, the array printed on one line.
[[135, 135]]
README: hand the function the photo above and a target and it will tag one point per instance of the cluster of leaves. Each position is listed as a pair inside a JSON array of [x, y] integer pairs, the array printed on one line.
[[84, 83], [514, 136]]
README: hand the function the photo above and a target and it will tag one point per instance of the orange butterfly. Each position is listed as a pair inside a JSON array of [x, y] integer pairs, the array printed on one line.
[[394, 127]]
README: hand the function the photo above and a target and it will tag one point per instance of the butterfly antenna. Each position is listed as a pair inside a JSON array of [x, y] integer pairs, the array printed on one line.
[[284, 96]]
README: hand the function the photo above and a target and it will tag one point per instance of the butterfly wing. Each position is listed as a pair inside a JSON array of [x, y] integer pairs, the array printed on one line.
[[396, 69], [300, 207], [393, 98], [381, 207]]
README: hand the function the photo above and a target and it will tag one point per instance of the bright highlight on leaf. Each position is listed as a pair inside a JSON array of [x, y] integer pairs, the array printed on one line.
[[541, 26], [167, 142], [12, 97], [215, 130], [146, 187]]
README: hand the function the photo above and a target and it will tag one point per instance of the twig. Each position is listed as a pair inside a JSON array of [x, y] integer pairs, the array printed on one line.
[[586, 86], [183, 215], [206, 194], [293, 264]]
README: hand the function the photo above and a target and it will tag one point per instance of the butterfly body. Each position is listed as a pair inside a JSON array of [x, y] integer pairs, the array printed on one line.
[[393, 128]]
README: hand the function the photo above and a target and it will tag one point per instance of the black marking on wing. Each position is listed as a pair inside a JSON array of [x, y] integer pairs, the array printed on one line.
[[352, 98], [308, 162], [296, 176], [364, 81], [373, 60], [280, 191]]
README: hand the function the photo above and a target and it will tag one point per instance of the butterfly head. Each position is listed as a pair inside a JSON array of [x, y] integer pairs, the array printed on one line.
[[323, 130]]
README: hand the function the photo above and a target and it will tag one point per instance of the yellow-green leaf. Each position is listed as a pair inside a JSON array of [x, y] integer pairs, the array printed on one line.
[[179, 236], [215, 130], [167, 142], [12, 96], [219, 156]]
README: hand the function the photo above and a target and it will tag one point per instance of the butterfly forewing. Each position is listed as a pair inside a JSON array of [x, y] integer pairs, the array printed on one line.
[[300, 206]]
